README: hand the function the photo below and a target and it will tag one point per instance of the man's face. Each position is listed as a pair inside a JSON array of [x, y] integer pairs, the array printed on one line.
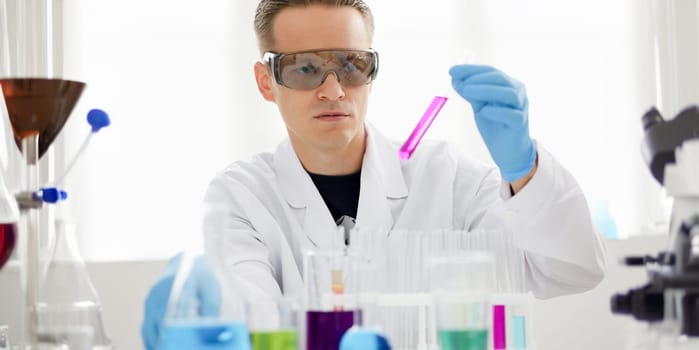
[[329, 117]]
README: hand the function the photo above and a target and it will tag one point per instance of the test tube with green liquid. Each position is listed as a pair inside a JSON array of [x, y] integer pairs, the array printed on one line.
[[461, 284], [273, 323]]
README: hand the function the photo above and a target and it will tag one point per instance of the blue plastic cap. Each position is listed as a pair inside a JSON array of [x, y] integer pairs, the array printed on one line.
[[357, 338], [53, 195], [97, 119]]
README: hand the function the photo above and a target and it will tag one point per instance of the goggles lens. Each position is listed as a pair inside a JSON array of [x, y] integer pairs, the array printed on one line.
[[308, 70]]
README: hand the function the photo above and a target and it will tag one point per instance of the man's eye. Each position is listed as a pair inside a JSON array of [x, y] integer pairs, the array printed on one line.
[[307, 69], [350, 68]]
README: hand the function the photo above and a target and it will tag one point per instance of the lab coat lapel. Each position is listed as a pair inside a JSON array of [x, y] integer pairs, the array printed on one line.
[[381, 182], [303, 197]]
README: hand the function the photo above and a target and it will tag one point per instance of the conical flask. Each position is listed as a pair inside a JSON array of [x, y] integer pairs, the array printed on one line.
[[68, 313], [9, 214]]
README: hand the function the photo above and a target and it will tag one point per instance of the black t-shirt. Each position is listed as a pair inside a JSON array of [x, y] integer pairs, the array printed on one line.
[[340, 193]]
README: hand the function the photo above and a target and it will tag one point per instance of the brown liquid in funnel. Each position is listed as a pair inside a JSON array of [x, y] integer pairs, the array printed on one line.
[[39, 106]]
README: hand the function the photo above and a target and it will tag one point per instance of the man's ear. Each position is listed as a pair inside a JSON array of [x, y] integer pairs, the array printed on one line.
[[264, 81]]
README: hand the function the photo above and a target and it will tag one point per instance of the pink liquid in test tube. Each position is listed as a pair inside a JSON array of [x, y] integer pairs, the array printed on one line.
[[414, 139]]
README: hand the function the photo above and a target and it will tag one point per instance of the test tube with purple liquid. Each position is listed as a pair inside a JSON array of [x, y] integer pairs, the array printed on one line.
[[330, 312], [421, 128]]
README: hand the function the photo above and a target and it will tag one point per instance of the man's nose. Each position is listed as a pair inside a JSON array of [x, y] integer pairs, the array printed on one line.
[[330, 88]]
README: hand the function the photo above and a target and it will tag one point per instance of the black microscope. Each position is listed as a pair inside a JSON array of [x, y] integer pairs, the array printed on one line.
[[671, 296]]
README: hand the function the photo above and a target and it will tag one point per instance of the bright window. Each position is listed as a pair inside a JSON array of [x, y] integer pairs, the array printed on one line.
[[177, 80]]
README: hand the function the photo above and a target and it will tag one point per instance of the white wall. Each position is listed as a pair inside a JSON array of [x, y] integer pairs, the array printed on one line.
[[177, 81], [577, 322]]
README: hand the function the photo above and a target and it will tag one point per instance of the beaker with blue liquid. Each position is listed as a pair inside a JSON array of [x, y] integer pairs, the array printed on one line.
[[190, 324]]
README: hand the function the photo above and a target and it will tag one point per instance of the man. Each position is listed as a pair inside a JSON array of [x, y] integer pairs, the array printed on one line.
[[318, 67]]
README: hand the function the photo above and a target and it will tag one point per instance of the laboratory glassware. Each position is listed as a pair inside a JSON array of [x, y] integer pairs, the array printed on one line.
[[273, 322], [512, 321], [330, 309], [462, 284], [401, 282], [38, 100], [68, 311], [368, 332], [4, 338], [9, 214], [421, 128], [185, 328]]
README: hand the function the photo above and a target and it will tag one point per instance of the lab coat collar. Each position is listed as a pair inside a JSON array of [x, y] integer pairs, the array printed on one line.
[[380, 159], [381, 156], [381, 179], [292, 178]]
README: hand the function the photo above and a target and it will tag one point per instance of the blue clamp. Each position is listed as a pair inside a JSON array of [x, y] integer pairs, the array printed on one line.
[[50, 195]]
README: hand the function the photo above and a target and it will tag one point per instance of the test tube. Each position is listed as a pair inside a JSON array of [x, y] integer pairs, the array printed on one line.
[[499, 327], [461, 283], [273, 323], [421, 128], [329, 314]]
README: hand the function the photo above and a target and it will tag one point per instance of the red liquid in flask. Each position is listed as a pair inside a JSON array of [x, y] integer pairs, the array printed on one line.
[[7, 242]]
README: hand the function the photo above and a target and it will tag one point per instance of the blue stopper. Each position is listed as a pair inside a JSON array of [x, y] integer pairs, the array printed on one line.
[[358, 338], [97, 119], [52, 195]]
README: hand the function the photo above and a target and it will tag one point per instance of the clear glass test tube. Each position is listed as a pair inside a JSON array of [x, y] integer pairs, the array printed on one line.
[[461, 283]]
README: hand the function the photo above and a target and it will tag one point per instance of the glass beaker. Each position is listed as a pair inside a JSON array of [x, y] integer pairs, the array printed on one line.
[[461, 284], [67, 312], [330, 311], [273, 322], [187, 325], [4, 338]]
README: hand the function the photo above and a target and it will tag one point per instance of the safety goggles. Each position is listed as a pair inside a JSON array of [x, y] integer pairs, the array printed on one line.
[[308, 70]]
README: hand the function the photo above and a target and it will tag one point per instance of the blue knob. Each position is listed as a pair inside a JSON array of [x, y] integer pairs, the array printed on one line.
[[97, 119]]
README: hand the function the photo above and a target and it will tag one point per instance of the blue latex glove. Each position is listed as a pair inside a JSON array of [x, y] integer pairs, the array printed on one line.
[[500, 107], [201, 289]]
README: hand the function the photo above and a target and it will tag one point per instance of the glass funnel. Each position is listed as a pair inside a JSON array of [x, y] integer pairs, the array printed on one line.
[[39, 108], [68, 312], [38, 99]]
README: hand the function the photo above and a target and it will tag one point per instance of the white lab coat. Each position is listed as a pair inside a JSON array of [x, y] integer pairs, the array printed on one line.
[[260, 216]]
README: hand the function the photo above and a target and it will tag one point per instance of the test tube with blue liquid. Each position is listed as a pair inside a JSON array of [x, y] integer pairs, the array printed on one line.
[[185, 328], [512, 325], [330, 312]]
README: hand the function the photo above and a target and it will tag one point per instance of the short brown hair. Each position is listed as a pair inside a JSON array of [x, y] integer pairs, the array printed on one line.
[[268, 9]]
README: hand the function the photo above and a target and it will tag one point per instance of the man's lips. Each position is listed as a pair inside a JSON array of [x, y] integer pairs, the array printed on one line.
[[331, 115]]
